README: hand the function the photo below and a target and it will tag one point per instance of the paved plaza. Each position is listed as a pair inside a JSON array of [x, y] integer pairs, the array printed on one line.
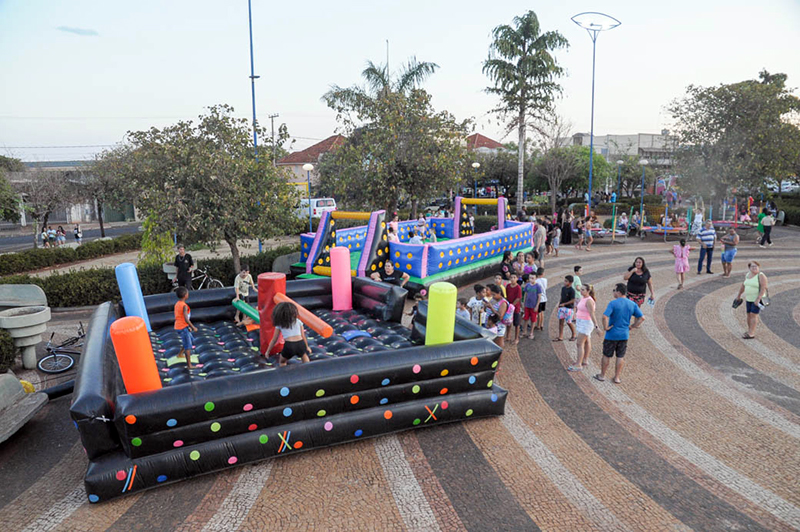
[[701, 434]]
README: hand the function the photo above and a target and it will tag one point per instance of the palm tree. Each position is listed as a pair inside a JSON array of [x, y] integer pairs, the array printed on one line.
[[524, 71], [379, 82]]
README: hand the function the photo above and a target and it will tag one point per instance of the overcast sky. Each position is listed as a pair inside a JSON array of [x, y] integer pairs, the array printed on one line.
[[78, 74]]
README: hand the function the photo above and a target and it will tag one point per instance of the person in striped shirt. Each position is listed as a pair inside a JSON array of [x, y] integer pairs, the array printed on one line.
[[707, 238]]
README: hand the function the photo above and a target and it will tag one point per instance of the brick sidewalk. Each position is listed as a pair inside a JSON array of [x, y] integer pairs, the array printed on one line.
[[701, 434]]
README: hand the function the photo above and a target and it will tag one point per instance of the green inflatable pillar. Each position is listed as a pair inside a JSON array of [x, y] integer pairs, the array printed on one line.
[[246, 309], [441, 314]]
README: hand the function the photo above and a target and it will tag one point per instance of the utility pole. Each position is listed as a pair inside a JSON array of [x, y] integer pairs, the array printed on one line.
[[253, 79], [274, 148]]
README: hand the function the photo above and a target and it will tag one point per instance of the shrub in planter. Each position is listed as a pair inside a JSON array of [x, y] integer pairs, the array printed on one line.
[[7, 351]]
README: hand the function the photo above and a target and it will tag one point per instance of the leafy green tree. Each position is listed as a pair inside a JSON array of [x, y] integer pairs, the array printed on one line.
[[601, 169], [157, 245], [398, 147], [524, 72], [736, 135], [202, 181], [11, 164], [43, 192], [403, 150], [103, 183], [500, 168]]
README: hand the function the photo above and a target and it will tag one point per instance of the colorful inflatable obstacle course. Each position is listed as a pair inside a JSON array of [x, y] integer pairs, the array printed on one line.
[[459, 255], [370, 376]]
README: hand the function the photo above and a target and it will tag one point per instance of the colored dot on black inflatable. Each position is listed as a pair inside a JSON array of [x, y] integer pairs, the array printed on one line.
[[287, 412], [172, 422], [136, 442], [384, 401], [215, 427], [489, 384], [320, 393], [209, 406], [469, 412], [417, 421], [494, 397], [93, 498], [358, 433], [354, 379], [384, 382], [263, 438], [194, 455], [415, 389], [284, 391], [161, 478], [472, 379]]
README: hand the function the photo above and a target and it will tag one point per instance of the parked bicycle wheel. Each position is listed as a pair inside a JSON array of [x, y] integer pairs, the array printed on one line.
[[214, 283], [56, 363]]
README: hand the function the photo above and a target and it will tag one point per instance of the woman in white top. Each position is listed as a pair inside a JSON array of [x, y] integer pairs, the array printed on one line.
[[295, 343]]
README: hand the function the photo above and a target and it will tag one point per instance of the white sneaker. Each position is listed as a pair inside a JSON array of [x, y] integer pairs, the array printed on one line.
[[761, 245], [770, 244]]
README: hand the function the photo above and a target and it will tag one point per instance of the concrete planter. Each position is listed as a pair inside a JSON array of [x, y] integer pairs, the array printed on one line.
[[16, 407], [170, 270], [25, 325]]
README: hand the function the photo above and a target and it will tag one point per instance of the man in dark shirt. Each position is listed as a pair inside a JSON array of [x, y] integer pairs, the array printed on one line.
[[389, 275], [185, 265]]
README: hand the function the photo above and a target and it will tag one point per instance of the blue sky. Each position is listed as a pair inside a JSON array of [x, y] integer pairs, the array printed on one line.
[[83, 72]]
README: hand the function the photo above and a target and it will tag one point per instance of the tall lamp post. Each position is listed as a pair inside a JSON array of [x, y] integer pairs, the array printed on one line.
[[475, 166], [644, 163], [594, 23], [308, 167]]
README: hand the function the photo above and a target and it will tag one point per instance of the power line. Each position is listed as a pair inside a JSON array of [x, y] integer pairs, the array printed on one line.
[[70, 146]]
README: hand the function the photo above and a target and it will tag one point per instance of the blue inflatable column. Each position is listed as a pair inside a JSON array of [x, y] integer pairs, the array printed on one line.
[[131, 292]]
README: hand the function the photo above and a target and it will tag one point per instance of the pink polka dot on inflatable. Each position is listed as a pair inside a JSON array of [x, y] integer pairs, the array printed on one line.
[[354, 379], [162, 350], [328, 426], [252, 427], [248, 407], [232, 460], [177, 443], [198, 365], [165, 370], [444, 405], [121, 475], [220, 343], [417, 368], [231, 360]]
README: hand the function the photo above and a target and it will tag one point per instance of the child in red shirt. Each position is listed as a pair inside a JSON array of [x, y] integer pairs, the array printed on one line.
[[514, 296]]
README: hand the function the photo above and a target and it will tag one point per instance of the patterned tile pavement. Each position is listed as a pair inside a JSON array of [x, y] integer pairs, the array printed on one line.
[[702, 434]]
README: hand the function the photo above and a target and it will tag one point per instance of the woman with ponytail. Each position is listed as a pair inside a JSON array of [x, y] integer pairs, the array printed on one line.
[[586, 322]]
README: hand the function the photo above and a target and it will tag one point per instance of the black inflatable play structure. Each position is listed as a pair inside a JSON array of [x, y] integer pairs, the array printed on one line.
[[372, 377]]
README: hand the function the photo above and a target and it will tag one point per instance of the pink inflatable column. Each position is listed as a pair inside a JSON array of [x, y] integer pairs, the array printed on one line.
[[341, 283]]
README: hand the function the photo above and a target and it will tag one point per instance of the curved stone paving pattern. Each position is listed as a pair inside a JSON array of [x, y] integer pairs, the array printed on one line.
[[702, 434]]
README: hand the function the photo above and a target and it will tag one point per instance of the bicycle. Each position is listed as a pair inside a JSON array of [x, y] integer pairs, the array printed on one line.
[[61, 357], [201, 273]]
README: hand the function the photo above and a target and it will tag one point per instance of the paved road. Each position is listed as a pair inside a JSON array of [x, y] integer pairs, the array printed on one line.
[[19, 242]]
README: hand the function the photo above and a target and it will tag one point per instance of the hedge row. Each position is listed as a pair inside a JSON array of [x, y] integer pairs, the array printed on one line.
[[7, 351], [36, 259], [94, 286]]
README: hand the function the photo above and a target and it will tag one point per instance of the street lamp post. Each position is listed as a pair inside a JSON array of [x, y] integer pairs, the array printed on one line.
[[644, 163], [308, 167], [476, 165], [594, 23]]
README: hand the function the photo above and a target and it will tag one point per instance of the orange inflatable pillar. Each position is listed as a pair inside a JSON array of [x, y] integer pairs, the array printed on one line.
[[307, 317], [269, 284], [135, 355]]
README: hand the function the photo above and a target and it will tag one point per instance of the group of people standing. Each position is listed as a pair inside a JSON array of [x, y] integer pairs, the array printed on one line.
[[53, 238]]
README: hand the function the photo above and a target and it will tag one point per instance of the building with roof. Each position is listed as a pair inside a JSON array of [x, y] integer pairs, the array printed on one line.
[[482, 144], [311, 155]]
